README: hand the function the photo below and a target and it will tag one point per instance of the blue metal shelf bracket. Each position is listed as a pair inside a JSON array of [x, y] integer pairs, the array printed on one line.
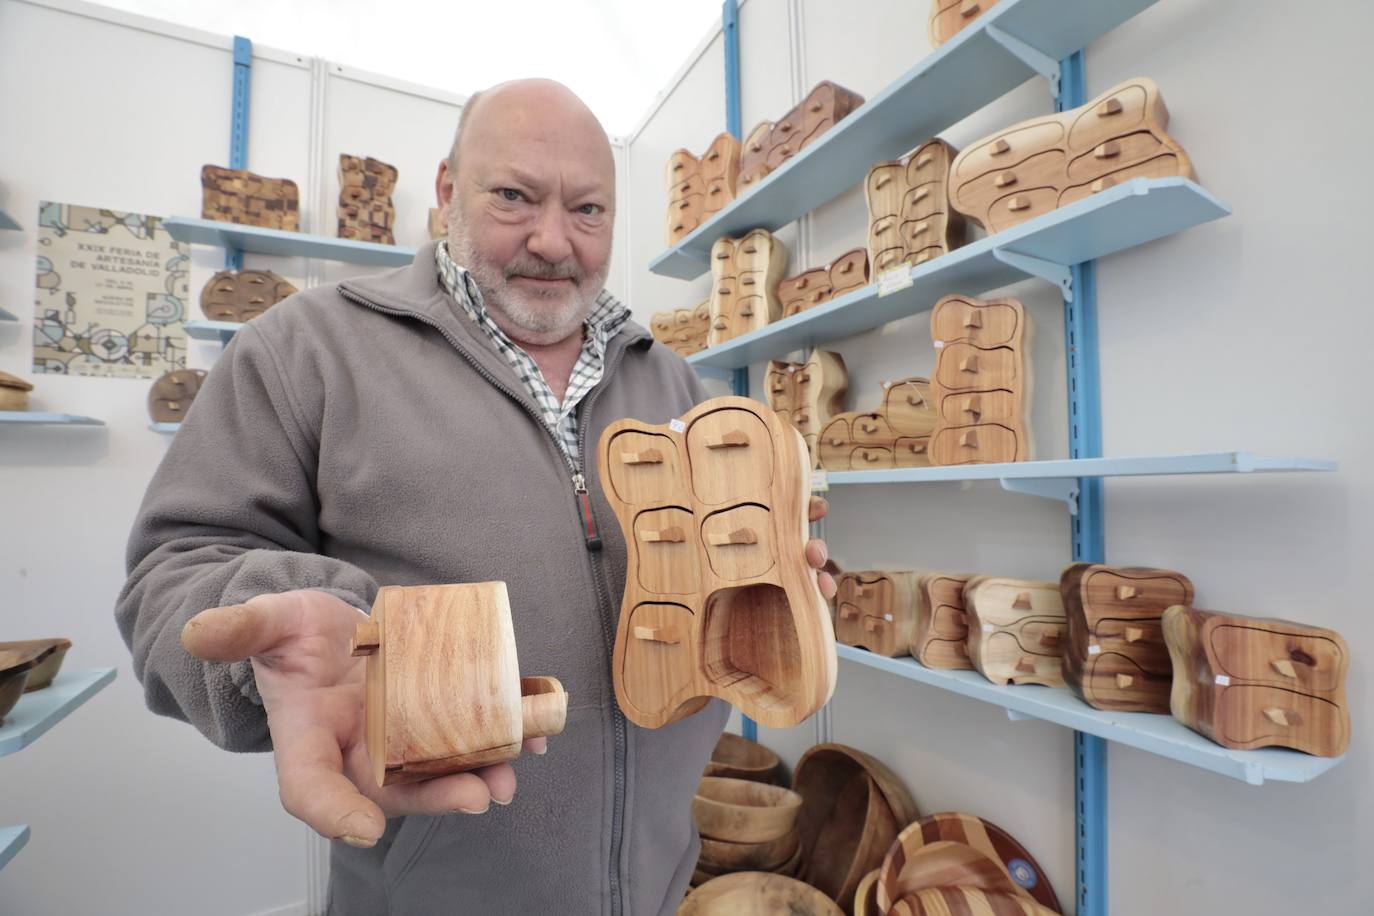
[[1062, 488], [238, 125], [1058, 274], [1034, 58]]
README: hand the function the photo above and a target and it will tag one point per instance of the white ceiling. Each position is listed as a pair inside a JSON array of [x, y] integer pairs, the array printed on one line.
[[618, 55]]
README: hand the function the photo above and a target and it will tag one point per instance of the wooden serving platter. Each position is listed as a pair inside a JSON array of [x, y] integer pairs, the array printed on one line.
[[719, 601], [444, 692], [1016, 630], [1250, 682], [876, 610], [1115, 657]]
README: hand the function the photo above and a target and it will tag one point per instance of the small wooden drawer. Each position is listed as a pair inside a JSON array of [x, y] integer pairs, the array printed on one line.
[[1114, 154], [949, 622], [836, 454], [718, 194], [1291, 660], [695, 185], [1114, 681], [929, 162], [754, 252], [849, 271], [660, 641], [667, 555], [986, 443], [739, 542], [922, 234], [911, 452], [1141, 640], [964, 367], [940, 639], [723, 257], [682, 165], [803, 286], [1118, 113], [723, 450], [1123, 592], [644, 468], [974, 407], [721, 159], [869, 458], [923, 202], [1256, 716], [1002, 659], [1015, 209], [908, 407], [981, 322], [1163, 166], [885, 186], [1003, 151], [886, 233], [888, 258], [871, 429]]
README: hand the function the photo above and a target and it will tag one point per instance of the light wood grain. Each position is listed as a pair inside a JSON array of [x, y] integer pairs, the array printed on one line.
[[699, 187], [940, 636], [239, 196], [739, 758], [770, 145], [744, 294], [744, 811], [895, 435], [1250, 682], [1017, 629], [43, 657], [865, 896], [957, 901], [876, 610], [1115, 657], [719, 600], [910, 220], [948, 17], [1038, 165], [444, 692], [819, 285], [756, 894], [808, 394], [683, 330], [770, 855]]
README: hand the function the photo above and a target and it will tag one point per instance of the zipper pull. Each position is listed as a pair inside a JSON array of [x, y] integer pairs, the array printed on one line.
[[580, 488]]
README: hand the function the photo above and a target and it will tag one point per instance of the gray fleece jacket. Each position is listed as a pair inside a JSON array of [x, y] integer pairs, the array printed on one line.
[[370, 435]]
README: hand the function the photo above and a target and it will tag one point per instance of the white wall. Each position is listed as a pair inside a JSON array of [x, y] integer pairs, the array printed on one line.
[[131, 813], [1244, 334]]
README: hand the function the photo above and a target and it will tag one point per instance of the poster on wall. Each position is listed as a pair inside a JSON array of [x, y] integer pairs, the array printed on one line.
[[110, 296]]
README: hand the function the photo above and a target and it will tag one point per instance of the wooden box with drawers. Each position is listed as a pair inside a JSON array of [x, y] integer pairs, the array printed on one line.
[[771, 143], [909, 215], [949, 17], [241, 295], [365, 209], [1044, 163], [719, 601], [896, 435], [1249, 682], [14, 392], [940, 639], [171, 394], [810, 288], [876, 611], [1015, 630], [1115, 657], [699, 187], [239, 196], [744, 284], [982, 381], [808, 394], [683, 330]]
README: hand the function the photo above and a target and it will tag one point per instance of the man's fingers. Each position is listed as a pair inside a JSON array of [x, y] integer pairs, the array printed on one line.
[[315, 790], [827, 585], [537, 746], [816, 553], [236, 632], [817, 508], [460, 793]]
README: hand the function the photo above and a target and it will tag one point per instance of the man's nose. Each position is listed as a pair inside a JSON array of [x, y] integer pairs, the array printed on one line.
[[549, 240]]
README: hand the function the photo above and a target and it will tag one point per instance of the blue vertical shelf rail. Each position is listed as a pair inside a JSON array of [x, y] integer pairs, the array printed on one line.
[[238, 125], [1088, 534], [729, 25]]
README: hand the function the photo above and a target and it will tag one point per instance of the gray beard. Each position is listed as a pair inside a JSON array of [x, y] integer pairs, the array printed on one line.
[[541, 316]]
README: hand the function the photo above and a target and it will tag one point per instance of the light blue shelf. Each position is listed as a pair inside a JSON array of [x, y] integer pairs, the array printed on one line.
[[8, 316], [39, 711], [12, 839], [969, 71], [216, 331], [286, 244], [169, 428], [1158, 734], [37, 417], [1130, 214], [8, 222]]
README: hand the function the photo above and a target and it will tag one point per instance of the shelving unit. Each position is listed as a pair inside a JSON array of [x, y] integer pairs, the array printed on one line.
[[233, 237], [12, 839], [213, 331], [1159, 734], [39, 417], [1005, 46]]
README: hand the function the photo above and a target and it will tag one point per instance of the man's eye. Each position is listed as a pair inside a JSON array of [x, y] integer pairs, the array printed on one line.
[[511, 194], [589, 209]]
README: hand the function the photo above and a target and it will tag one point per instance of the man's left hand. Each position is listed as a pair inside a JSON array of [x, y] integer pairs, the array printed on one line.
[[816, 552]]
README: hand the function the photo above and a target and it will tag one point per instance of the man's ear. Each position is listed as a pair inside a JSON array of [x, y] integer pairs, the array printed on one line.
[[444, 190]]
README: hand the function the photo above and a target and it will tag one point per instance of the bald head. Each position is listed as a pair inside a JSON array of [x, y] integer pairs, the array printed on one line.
[[529, 187]]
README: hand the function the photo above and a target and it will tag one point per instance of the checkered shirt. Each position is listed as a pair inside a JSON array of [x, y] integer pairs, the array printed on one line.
[[604, 320]]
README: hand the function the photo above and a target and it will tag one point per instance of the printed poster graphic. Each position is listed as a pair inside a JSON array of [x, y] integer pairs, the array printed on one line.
[[111, 294]]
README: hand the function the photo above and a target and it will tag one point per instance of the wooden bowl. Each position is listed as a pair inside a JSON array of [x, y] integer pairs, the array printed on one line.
[[906, 866], [740, 758], [11, 689], [941, 901], [852, 808], [49, 654], [744, 811], [723, 856], [751, 893], [865, 899]]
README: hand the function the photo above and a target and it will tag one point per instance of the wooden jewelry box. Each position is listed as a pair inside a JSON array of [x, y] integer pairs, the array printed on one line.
[[949, 17], [699, 187], [876, 611], [719, 601], [940, 639], [241, 295], [896, 435], [1039, 165], [1015, 630], [909, 215], [770, 144], [444, 692], [808, 394], [744, 292], [1248, 682], [1115, 657], [239, 196], [810, 288], [683, 330], [365, 208]]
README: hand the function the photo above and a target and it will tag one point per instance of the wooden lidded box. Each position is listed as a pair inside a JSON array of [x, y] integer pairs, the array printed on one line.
[[940, 639], [1249, 682], [1015, 630], [876, 610]]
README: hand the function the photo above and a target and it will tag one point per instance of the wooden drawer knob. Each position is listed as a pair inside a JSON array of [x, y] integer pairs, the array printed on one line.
[[1284, 717], [734, 438], [1134, 634], [924, 161], [673, 535], [846, 268], [543, 707], [1103, 184], [802, 282], [969, 364], [1126, 592], [720, 324], [1019, 203], [1049, 636], [974, 319], [1109, 150], [916, 447], [722, 255], [969, 439], [648, 456], [816, 106], [740, 537], [751, 248], [915, 400], [747, 281], [848, 611], [881, 181], [973, 406], [1023, 600], [1026, 664], [869, 428], [784, 128], [1110, 107], [970, 8], [920, 195], [1004, 179], [1285, 667], [869, 456], [683, 205], [367, 638], [1123, 681], [746, 311], [1000, 146], [667, 635]]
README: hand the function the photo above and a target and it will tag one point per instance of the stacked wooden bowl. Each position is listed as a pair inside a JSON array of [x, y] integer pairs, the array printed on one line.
[[740, 758], [745, 826], [757, 894], [956, 863]]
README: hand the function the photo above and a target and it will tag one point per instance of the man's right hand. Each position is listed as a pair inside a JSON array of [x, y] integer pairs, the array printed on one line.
[[312, 690]]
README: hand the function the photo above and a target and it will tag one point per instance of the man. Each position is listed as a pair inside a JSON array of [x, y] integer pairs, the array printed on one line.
[[429, 425]]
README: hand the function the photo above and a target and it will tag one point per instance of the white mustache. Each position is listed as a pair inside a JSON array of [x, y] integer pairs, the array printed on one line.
[[543, 270]]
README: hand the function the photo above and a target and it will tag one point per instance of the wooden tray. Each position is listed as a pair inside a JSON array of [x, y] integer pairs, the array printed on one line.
[[1250, 682], [740, 758], [852, 808], [744, 811], [1016, 630], [1017, 872], [718, 598], [444, 692], [1115, 657], [757, 894]]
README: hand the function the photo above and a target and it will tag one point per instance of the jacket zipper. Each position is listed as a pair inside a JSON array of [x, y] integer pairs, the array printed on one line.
[[593, 543]]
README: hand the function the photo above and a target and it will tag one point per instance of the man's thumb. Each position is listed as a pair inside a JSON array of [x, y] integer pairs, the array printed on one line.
[[234, 633]]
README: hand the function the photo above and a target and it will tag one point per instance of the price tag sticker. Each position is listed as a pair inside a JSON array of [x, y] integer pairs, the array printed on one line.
[[1093, 650], [819, 482], [938, 344], [887, 616], [987, 628], [677, 426], [894, 280], [1223, 681]]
